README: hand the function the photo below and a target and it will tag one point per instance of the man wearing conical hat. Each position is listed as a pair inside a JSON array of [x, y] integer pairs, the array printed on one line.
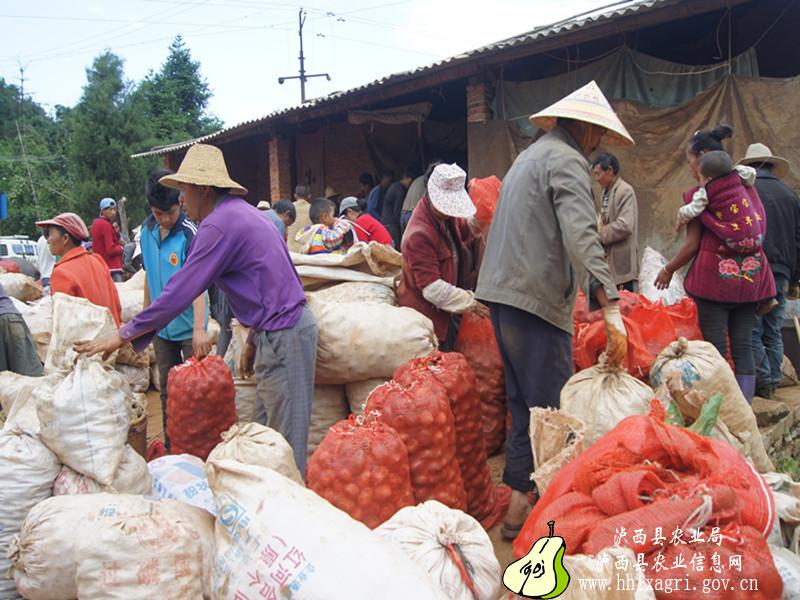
[[237, 250], [544, 231], [782, 248]]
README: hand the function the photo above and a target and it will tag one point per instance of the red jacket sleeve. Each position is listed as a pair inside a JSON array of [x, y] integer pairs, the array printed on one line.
[[421, 258]]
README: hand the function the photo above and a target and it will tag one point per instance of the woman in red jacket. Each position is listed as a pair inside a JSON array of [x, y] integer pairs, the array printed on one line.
[[437, 259], [106, 240]]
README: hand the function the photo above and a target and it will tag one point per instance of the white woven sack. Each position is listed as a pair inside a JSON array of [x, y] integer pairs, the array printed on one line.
[[429, 532], [357, 393], [357, 291], [132, 477], [39, 319], [701, 368], [328, 407], [131, 295], [601, 397], [788, 565], [85, 421], [255, 444], [141, 556], [246, 399], [615, 565], [75, 320], [138, 378], [182, 477], [556, 440], [27, 471], [20, 286], [45, 555], [362, 340], [18, 395], [296, 541], [652, 263]]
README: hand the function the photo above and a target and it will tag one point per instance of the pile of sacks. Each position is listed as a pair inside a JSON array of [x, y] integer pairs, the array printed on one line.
[[65, 434], [669, 495], [651, 327], [686, 373], [420, 439], [239, 525], [363, 336]]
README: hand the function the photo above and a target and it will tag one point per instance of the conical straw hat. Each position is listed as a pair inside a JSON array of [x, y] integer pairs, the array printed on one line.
[[587, 104], [204, 165]]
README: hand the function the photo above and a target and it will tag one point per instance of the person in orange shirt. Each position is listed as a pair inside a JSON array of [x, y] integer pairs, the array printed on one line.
[[77, 272]]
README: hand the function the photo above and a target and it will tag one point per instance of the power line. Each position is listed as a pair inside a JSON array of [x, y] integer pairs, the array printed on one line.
[[28, 169], [117, 31]]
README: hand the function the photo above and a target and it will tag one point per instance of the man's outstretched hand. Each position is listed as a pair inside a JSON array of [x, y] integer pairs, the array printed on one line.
[[105, 345]]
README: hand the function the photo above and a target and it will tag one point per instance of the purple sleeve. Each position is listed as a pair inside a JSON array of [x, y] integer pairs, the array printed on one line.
[[209, 258]]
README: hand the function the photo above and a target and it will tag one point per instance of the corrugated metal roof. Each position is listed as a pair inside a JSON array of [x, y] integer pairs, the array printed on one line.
[[603, 13]]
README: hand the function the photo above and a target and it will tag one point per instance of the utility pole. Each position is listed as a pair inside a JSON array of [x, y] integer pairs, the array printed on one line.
[[21, 91], [301, 19]]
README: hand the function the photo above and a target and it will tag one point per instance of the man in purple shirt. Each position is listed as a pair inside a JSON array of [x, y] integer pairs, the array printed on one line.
[[245, 257]]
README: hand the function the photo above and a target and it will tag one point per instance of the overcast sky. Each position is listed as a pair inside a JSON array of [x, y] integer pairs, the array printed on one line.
[[245, 45]]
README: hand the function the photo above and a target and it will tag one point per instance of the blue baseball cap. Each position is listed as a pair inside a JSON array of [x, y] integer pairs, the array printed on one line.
[[107, 203]]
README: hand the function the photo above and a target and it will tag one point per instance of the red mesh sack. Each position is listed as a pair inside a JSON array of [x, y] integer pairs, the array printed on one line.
[[581, 314], [453, 373], [732, 583], [477, 343], [200, 405], [9, 266], [420, 413], [684, 316], [645, 474], [484, 194], [362, 468], [590, 341]]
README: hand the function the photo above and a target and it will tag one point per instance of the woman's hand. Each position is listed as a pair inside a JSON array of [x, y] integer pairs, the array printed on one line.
[[247, 360], [107, 345], [663, 280], [201, 343]]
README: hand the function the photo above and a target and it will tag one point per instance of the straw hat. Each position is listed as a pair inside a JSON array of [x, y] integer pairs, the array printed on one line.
[[588, 104], [204, 165], [447, 193], [759, 153], [70, 222]]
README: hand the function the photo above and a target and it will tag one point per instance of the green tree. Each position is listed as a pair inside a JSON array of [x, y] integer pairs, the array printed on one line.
[[177, 98], [31, 160], [108, 124]]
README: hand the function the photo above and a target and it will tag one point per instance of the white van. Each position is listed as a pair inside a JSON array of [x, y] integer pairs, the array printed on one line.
[[19, 246]]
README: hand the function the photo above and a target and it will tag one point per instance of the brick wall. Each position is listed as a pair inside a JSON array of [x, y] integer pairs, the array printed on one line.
[[280, 168], [346, 157], [479, 96], [247, 160]]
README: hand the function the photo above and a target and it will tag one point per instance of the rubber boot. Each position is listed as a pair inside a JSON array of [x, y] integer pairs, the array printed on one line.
[[747, 383]]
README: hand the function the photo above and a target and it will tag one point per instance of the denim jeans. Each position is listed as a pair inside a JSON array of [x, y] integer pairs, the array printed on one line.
[[720, 320], [767, 339], [537, 358]]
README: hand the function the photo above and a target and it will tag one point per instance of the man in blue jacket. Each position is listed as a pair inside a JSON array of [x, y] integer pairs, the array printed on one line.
[[166, 239]]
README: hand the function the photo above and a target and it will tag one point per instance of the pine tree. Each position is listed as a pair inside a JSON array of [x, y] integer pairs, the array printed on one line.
[[106, 126], [177, 97]]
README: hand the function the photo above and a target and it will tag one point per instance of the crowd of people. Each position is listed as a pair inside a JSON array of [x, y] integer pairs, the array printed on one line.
[[742, 233]]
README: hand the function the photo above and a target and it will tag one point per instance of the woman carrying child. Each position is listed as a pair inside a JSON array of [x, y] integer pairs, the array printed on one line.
[[730, 275]]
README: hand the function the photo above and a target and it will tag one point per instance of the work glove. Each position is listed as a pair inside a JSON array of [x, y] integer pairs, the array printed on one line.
[[617, 335]]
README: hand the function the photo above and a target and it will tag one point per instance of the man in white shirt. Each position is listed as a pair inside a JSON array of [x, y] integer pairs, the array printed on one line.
[[46, 260]]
